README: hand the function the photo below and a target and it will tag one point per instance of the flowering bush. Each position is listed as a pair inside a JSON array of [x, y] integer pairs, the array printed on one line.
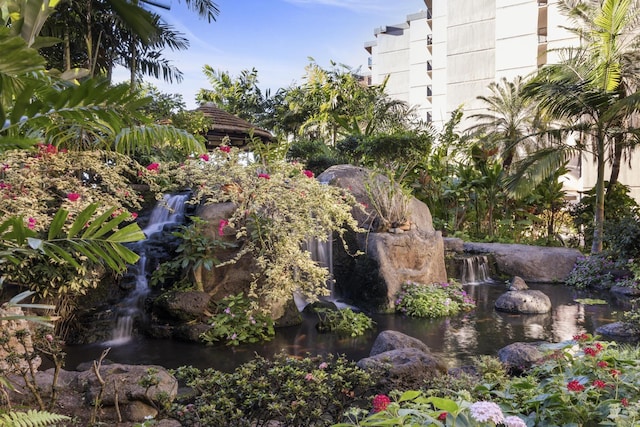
[[433, 300], [278, 206], [593, 272], [344, 322], [235, 322], [309, 391]]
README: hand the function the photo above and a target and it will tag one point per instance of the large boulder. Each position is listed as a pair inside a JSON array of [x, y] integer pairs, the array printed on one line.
[[388, 259], [394, 340], [528, 301], [622, 331], [184, 306], [519, 356], [532, 263]]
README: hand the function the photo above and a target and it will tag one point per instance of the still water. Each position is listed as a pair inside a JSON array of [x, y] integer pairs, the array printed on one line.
[[456, 340]]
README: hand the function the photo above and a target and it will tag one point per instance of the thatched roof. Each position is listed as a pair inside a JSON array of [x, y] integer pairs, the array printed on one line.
[[225, 124]]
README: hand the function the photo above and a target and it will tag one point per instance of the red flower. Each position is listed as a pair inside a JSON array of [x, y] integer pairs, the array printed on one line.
[[590, 351], [73, 197], [153, 167], [225, 148], [31, 223], [599, 346], [308, 173], [134, 215], [581, 337], [205, 157], [602, 364], [264, 176], [223, 223], [442, 416], [599, 384], [574, 385], [380, 402], [614, 372], [624, 402]]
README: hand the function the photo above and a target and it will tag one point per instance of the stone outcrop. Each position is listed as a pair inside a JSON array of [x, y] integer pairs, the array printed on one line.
[[519, 356], [522, 300], [372, 280], [16, 324], [532, 263], [400, 359], [123, 398], [622, 331]]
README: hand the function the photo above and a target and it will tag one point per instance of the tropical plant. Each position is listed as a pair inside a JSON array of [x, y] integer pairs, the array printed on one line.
[[236, 321], [31, 418], [586, 93], [343, 322], [433, 300]]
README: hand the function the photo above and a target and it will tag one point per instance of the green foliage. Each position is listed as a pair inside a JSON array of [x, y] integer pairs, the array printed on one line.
[[593, 272], [196, 250], [344, 322], [278, 206], [433, 300], [31, 418], [315, 154], [236, 321], [390, 201], [309, 391]]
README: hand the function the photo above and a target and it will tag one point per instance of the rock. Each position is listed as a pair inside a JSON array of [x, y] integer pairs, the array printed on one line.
[[524, 302], [619, 330], [518, 284], [625, 291], [532, 263], [404, 363], [9, 329], [372, 280], [122, 382], [394, 340], [138, 412], [519, 356], [182, 306], [190, 332], [453, 244]]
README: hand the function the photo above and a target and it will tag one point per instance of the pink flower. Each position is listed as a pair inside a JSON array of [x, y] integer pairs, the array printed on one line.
[[323, 365], [624, 402], [486, 411], [380, 402], [204, 157], [602, 364], [153, 167], [574, 385], [221, 225], [264, 176], [31, 223], [442, 416], [309, 377], [513, 421], [49, 337], [308, 173], [73, 197], [134, 215], [599, 384], [224, 148]]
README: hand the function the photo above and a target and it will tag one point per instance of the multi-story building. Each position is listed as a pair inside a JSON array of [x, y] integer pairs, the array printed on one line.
[[446, 55]]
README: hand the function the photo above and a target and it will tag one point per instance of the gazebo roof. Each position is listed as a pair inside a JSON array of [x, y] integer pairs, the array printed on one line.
[[228, 125]]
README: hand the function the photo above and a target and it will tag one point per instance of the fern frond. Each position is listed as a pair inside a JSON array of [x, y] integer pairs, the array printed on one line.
[[31, 418]]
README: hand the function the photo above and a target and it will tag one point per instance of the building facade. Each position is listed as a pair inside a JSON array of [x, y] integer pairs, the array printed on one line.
[[444, 56]]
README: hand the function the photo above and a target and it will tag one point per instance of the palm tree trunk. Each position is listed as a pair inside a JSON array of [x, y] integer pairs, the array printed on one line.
[[598, 221], [615, 165], [67, 49]]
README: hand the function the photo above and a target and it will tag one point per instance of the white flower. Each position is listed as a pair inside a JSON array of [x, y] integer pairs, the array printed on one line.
[[486, 411], [514, 421]]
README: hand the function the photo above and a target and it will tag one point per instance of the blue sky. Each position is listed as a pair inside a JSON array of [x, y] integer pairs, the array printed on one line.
[[276, 37]]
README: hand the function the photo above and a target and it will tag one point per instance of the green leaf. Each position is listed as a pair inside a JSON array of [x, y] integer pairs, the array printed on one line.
[[130, 233], [57, 223], [409, 395], [447, 405], [82, 220]]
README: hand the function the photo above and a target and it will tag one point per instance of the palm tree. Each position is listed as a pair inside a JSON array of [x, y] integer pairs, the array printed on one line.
[[585, 91], [509, 120]]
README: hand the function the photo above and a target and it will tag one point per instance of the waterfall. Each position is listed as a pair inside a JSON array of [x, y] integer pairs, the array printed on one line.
[[322, 253], [475, 269], [166, 212]]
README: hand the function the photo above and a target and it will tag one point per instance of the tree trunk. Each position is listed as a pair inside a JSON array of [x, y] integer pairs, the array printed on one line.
[[615, 164], [598, 220]]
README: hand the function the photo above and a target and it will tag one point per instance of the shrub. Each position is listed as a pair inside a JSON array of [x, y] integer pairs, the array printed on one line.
[[236, 322], [309, 391], [433, 300], [595, 271], [344, 322]]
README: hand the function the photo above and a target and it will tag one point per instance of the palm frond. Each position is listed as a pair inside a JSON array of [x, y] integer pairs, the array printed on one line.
[[145, 138], [535, 168]]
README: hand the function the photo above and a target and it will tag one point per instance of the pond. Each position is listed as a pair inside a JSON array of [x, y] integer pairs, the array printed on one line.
[[456, 340]]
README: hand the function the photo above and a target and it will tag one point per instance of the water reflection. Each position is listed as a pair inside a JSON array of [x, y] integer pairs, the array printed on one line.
[[456, 340]]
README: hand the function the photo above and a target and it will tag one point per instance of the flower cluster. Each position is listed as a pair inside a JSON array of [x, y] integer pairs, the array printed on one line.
[[380, 402]]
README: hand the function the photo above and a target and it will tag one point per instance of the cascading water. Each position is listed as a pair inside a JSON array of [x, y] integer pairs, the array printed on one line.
[[166, 212], [475, 269], [322, 253]]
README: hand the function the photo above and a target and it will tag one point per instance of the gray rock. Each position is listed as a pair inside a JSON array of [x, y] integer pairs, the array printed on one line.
[[518, 284], [532, 263], [524, 302], [519, 356], [625, 291], [394, 340], [137, 411], [453, 244], [183, 306], [619, 329], [405, 363], [122, 382]]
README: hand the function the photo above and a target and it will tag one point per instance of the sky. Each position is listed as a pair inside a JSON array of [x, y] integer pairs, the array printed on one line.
[[276, 37]]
